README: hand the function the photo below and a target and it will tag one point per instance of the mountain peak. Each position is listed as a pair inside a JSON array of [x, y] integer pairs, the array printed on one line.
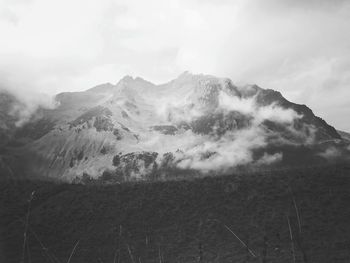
[[185, 74], [106, 87], [195, 122], [127, 78]]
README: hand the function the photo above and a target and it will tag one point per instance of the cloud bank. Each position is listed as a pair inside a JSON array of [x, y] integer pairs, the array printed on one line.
[[236, 147]]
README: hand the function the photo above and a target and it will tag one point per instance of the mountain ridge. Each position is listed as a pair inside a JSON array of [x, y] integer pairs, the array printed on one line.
[[190, 125]]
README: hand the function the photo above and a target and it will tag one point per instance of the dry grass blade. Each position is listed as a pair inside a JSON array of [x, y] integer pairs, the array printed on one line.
[[119, 245], [116, 253], [26, 225], [240, 240], [159, 254], [52, 258], [291, 239], [73, 250], [130, 253], [297, 213], [295, 207]]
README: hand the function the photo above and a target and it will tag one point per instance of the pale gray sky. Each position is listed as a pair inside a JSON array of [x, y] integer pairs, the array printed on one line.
[[299, 47]]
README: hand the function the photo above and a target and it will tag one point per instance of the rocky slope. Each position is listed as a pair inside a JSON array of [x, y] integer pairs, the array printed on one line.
[[192, 125]]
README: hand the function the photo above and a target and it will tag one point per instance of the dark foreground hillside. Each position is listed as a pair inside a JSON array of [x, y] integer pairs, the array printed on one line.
[[300, 215]]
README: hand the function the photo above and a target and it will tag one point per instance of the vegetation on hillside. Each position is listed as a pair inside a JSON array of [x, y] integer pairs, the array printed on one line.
[[296, 215]]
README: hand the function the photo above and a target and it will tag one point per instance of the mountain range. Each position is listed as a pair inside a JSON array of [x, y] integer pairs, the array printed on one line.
[[135, 130]]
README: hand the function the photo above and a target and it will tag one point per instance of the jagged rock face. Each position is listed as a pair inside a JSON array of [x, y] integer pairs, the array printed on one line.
[[136, 130], [219, 123]]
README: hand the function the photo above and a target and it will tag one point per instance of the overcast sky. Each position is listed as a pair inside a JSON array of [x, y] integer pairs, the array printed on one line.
[[299, 47]]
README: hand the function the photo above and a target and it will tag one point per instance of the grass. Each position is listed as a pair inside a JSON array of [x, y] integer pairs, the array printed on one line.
[[237, 218]]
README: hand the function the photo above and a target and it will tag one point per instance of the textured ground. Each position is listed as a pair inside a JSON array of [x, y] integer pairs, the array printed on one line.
[[183, 221]]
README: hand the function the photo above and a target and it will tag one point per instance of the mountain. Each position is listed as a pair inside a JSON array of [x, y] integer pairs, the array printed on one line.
[[192, 125], [344, 135], [8, 116]]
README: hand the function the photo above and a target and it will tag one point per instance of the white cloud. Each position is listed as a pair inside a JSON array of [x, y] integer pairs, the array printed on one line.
[[300, 48], [229, 151], [230, 103], [277, 114], [249, 106], [331, 153], [270, 158], [209, 153]]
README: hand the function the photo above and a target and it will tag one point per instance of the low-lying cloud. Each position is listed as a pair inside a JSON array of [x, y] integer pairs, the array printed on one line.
[[209, 152], [249, 106], [25, 105], [331, 153]]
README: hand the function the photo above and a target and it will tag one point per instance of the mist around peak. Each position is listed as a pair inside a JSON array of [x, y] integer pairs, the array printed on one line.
[[195, 124]]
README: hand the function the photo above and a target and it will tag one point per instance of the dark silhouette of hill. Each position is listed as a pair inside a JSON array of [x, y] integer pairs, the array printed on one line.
[[238, 218]]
